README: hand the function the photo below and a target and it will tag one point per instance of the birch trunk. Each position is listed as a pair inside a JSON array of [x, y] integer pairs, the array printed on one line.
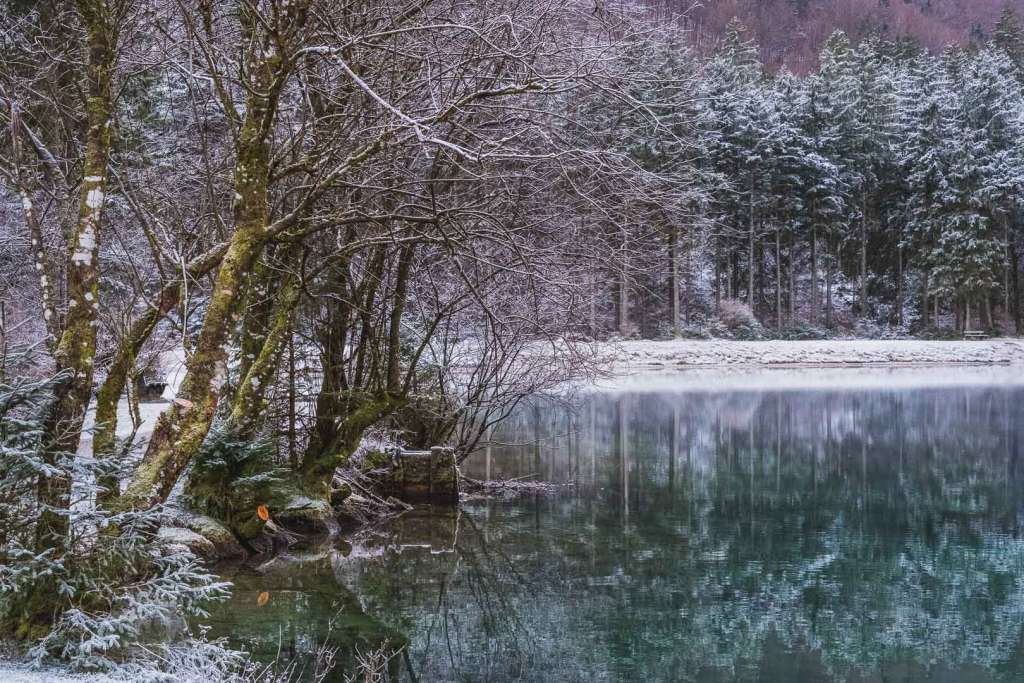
[[75, 351]]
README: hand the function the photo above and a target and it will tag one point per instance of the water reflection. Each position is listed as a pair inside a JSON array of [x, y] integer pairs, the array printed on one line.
[[800, 535]]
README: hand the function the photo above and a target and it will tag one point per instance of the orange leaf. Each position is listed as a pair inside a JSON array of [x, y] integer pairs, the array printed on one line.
[[263, 513], [262, 599]]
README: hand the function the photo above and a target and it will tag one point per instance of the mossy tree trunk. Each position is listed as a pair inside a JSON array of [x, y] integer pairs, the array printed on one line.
[[361, 411], [363, 367], [181, 429], [250, 398], [76, 349], [123, 364]]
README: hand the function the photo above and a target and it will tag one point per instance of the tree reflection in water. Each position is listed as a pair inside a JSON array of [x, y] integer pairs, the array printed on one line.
[[798, 535]]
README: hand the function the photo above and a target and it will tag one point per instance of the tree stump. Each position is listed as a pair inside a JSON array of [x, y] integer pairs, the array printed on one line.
[[426, 476]]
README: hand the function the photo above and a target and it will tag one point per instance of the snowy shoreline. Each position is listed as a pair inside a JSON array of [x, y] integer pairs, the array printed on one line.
[[630, 356]]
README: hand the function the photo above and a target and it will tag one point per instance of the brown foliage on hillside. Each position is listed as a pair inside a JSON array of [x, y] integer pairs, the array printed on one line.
[[791, 32]]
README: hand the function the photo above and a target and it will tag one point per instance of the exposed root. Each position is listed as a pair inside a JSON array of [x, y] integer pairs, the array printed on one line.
[[356, 499]]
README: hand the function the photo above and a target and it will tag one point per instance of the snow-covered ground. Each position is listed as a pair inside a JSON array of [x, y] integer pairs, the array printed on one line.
[[173, 365], [14, 672], [789, 378], [641, 355]]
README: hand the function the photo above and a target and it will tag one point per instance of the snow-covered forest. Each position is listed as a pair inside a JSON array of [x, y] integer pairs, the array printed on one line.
[[404, 218]]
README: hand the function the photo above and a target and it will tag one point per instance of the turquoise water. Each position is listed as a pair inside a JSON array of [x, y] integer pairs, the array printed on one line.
[[798, 535]]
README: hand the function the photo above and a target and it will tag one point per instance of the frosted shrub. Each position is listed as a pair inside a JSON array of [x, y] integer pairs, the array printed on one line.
[[94, 596], [736, 321], [121, 592], [802, 331]]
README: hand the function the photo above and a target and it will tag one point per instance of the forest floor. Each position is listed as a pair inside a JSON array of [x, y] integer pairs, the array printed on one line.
[[680, 354]]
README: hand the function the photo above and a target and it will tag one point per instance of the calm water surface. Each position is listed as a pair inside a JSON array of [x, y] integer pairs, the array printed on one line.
[[797, 535]]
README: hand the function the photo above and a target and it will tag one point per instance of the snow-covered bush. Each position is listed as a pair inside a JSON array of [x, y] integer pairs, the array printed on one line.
[[800, 331], [92, 595], [736, 321]]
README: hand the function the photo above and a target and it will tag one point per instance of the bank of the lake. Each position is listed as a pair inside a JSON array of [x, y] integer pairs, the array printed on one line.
[[632, 355]]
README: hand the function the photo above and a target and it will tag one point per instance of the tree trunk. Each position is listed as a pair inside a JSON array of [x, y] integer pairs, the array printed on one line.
[[257, 312], [1015, 277], [778, 279], [624, 325], [181, 429], [110, 392], [864, 257], [815, 293], [293, 454], [829, 260], [1006, 274], [673, 278], [791, 303], [76, 349], [689, 283], [925, 315], [405, 258], [360, 413], [718, 275], [750, 249], [44, 268], [250, 399], [734, 292], [899, 286], [593, 303]]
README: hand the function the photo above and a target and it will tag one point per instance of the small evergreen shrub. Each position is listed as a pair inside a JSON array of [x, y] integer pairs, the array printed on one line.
[[231, 477], [800, 331], [90, 596]]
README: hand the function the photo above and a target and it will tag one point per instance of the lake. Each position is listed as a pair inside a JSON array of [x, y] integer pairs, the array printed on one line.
[[830, 530]]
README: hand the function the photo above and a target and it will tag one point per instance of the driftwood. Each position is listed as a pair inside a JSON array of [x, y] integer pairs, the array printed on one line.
[[509, 488]]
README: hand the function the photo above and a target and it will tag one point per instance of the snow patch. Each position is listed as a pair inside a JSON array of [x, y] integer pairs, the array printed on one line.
[[86, 244], [754, 379], [94, 200]]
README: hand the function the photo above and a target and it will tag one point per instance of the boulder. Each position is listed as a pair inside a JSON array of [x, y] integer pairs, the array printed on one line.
[[225, 545], [179, 537]]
